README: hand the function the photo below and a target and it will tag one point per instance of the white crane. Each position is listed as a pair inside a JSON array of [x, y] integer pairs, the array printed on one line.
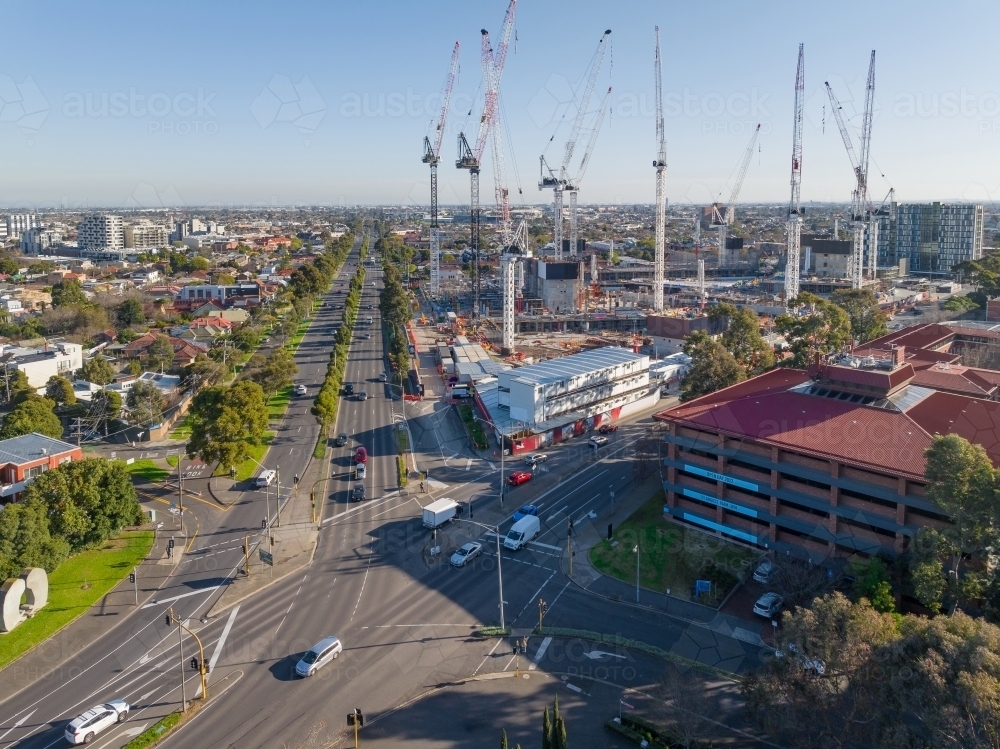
[[560, 181], [721, 222], [574, 185], [660, 163], [861, 207], [793, 224], [432, 156]]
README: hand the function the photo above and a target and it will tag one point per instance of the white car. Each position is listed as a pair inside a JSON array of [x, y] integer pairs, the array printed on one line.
[[764, 572], [318, 656], [301, 390], [768, 605], [534, 460], [83, 729], [465, 553], [383, 377], [596, 442]]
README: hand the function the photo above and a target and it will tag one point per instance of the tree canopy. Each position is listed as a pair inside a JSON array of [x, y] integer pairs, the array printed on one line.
[[130, 313], [33, 414], [68, 293], [861, 305], [226, 421], [712, 367], [743, 339], [60, 390], [97, 370], [824, 329], [145, 403]]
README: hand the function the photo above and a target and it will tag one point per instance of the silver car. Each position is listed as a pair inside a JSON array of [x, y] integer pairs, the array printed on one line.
[[318, 656], [465, 553], [83, 729]]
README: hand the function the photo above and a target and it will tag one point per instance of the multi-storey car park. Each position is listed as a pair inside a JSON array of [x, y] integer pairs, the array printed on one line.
[[830, 462]]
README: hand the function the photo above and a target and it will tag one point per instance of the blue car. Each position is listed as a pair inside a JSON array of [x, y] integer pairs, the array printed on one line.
[[525, 511]]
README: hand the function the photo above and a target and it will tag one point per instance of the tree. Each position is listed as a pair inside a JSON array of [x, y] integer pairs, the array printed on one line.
[[8, 266], [33, 414], [871, 581], [16, 385], [145, 403], [160, 354], [983, 273], [98, 370], [688, 705], [276, 372], [105, 407], [861, 305], [68, 293], [824, 330], [546, 729], [226, 421], [712, 367], [130, 313], [60, 390], [88, 501], [743, 338], [25, 539]]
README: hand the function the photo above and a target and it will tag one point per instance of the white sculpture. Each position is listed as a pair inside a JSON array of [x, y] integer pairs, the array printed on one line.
[[33, 584]]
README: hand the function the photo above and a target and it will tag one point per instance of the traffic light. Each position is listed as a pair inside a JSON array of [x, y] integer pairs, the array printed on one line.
[[131, 577], [166, 618], [170, 543], [296, 479], [609, 531], [244, 547], [194, 664], [356, 718], [569, 528], [263, 524]]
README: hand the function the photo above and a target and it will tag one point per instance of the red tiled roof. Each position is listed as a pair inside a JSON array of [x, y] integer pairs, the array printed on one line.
[[868, 377], [956, 379]]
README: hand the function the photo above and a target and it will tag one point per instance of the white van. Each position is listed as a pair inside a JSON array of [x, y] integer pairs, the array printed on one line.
[[264, 478], [521, 532]]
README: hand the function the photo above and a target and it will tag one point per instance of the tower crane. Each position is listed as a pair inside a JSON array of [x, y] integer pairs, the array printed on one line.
[[432, 156], [471, 157], [560, 181], [574, 185], [793, 224], [862, 217], [721, 222], [660, 163]]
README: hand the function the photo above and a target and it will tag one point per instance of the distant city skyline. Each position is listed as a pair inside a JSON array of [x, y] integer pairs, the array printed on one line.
[[327, 104]]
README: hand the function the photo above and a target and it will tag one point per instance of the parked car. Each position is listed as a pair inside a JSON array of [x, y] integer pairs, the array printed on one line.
[[301, 390], [341, 440], [768, 605], [815, 665], [83, 729], [524, 511], [318, 656], [466, 552], [764, 572], [608, 428], [518, 477], [596, 442], [534, 460]]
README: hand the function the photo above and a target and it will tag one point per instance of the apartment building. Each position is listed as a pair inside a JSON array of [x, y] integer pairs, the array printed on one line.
[[39, 241], [18, 223], [931, 237], [146, 234], [101, 232]]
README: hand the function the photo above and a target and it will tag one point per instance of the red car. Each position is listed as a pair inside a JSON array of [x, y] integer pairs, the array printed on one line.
[[361, 456], [518, 477], [607, 429]]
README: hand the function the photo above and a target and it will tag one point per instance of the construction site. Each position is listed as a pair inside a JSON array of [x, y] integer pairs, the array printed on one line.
[[527, 285]]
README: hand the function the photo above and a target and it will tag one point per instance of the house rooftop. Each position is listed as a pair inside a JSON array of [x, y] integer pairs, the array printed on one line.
[[557, 370], [31, 447]]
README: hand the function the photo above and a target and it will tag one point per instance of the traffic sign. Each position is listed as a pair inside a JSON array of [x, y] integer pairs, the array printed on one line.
[[266, 557]]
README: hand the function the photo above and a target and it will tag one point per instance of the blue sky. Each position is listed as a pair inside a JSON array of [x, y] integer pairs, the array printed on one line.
[[180, 103]]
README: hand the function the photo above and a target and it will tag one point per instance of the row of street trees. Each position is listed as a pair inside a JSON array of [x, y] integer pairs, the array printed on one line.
[[394, 304]]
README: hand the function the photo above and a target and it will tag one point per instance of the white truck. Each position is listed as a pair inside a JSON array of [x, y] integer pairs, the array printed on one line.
[[439, 512], [521, 532]]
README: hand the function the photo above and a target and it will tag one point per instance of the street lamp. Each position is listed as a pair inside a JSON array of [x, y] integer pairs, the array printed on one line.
[[500, 438], [496, 531], [636, 550]]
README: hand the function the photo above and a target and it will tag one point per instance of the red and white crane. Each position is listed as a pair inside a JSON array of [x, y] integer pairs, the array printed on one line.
[[793, 223], [561, 181], [660, 163], [862, 213], [721, 222], [432, 156], [471, 158]]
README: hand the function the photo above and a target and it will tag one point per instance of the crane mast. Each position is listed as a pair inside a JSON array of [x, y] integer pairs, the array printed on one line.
[[432, 156], [660, 163], [574, 185], [560, 181], [793, 225], [722, 222]]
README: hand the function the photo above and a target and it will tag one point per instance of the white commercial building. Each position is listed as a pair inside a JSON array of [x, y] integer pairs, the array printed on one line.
[[18, 223], [146, 234], [101, 232], [38, 241], [600, 382], [40, 364]]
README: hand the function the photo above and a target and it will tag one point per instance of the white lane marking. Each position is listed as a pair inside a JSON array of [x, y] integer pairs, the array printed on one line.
[[557, 596], [361, 592], [222, 639], [18, 724], [574, 687], [580, 519], [598, 654], [540, 653], [491, 534], [468, 464], [490, 464], [161, 601], [487, 656], [557, 512], [534, 597]]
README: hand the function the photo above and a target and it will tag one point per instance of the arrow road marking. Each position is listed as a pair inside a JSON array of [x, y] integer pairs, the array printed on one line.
[[596, 654], [19, 723], [540, 654]]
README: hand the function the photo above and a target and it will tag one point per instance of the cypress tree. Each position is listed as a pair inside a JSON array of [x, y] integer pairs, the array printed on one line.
[[546, 730], [503, 740]]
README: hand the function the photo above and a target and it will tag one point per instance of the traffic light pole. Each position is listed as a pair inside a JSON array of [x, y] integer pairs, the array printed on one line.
[[202, 666], [135, 584]]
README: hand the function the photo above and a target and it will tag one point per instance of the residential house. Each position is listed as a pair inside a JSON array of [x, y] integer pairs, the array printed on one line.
[[30, 455], [39, 364], [184, 351]]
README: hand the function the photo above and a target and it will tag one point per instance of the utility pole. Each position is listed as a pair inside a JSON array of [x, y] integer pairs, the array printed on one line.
[[246, 553], [542, 608], [180, 493], [277, 492], [180, 646]]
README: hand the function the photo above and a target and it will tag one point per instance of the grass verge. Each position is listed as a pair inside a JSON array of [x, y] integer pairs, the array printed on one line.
[[75, 586], [320, 450], [148, 470], [401, 477], [172, 460], [491, 632], [473, 427], [625, 642], [670, 556], [183, 430], [155, 732], [278, 403], [251, 465]]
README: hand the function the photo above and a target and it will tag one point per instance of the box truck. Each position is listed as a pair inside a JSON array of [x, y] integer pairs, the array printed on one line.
[[439, 512]]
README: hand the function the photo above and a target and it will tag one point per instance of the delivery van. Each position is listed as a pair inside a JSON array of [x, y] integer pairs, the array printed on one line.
[[264, 478], [521, 532]]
